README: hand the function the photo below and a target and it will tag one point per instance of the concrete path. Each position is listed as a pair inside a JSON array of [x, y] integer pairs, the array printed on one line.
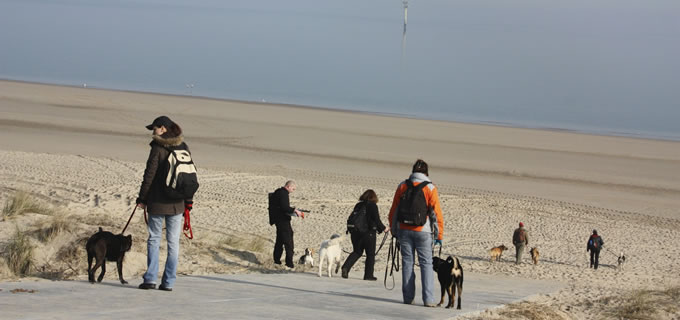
[[252, 296]]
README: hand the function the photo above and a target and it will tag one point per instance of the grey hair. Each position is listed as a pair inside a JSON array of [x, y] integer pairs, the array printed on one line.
[[290, 183]]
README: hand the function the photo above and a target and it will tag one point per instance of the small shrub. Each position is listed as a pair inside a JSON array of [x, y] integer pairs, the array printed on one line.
[[55, 225], [23, 202], [19, 253], [530, 310]]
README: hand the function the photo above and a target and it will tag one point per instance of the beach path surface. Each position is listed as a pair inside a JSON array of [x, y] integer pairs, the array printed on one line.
[[253, 296]]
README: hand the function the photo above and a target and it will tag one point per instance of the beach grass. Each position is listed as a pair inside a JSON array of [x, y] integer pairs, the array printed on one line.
[[19, 253], [23, 202]]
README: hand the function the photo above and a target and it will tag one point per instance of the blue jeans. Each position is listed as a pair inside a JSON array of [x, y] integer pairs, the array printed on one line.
[[420, 242], [173, 225]]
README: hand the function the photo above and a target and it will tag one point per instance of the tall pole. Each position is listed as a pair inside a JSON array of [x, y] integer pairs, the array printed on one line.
[[405, 2]]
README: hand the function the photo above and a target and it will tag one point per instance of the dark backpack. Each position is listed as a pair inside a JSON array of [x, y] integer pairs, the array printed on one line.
[[358, 219], [519, 236], [273, 209], [413, 209], [181, 181]]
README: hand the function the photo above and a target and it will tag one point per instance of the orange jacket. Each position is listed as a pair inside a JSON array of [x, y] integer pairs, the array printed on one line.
[[432, 199]]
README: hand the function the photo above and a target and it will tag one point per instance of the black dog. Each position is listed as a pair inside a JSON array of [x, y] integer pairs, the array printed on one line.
[[450, 275], [103, 246]]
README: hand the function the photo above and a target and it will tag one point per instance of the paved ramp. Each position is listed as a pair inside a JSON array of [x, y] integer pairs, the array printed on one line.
[[252, 296]]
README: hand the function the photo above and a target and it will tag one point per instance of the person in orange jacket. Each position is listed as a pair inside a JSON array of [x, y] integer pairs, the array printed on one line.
[[414, 220]]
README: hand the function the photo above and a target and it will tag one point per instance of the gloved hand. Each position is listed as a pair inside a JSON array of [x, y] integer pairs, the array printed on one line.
[[437, 242], [188, 205]]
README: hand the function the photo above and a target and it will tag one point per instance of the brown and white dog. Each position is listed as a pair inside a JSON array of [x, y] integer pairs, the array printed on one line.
[[496, 252], [450, 275], [534, 255]]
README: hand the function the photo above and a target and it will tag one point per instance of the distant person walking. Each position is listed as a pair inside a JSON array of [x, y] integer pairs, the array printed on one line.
[[364, 240], [284, 231], [415, 217], [595, 244], [160, 204], [520, 238]]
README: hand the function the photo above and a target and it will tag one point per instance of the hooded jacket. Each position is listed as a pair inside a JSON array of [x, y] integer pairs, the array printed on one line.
[[151, 192], [435, 220]]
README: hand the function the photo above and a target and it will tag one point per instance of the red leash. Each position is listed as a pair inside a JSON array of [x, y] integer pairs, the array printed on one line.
[[187, 225]]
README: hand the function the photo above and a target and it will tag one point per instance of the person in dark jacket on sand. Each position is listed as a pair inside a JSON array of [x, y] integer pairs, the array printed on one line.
[[595, 244], [166, 135], [365, 241], [284, 230]]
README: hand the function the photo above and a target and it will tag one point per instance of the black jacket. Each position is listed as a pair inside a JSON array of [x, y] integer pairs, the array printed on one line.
[[595, 239], [372, 215], [152, 191], [283, 199]]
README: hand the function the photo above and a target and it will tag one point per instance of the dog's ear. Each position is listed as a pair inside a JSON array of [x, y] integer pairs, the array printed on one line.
[[449, 259], [100, 229]]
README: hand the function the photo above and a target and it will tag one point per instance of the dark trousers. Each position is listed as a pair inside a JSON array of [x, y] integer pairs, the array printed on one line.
[[594, 258], [284, 237], [362, 242]]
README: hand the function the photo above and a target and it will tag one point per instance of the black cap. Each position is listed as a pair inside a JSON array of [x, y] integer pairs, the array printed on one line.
[[160, 121]]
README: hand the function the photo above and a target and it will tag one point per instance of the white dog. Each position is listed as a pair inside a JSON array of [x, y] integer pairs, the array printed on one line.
[[332, 250]]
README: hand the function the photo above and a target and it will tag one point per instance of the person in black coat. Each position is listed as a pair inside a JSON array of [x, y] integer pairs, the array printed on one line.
[[365, 241], [595, 244], [284, 231]]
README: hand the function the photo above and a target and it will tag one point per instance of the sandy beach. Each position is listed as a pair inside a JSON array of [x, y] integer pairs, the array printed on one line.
[[82, 152]]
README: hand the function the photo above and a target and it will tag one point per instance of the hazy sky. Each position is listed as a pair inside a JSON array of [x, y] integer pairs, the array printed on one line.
[[605, 64]]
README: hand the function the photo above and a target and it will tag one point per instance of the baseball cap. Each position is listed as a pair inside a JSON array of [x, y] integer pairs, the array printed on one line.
[[160, 121]]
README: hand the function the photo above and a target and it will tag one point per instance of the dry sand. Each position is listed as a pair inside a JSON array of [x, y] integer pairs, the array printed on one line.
[[83, 151]]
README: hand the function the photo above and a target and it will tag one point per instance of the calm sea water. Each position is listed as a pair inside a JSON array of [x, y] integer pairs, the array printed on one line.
[[602, 66]]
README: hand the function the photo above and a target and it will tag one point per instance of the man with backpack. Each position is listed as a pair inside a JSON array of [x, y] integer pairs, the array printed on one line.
[[280, 214], [520, 239], [415, 217], [595, 244], [167, 194]]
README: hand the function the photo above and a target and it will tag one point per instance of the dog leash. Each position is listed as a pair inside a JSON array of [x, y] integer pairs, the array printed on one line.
[[133, 213], [394, 253], [187, 225]]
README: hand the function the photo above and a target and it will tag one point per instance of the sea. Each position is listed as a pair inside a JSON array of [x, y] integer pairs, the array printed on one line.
[[608, 67]]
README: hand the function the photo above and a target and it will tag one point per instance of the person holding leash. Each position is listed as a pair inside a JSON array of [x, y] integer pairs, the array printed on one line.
[[595, 244], [284, 231], [415, 217], [520, 238], [365, 240], [153, 198]]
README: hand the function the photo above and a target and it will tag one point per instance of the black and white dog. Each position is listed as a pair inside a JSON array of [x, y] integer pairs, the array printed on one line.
[[450, 275], [621, 261]]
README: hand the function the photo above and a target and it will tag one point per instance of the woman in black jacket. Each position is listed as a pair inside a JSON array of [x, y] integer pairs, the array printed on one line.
[[365, 241]]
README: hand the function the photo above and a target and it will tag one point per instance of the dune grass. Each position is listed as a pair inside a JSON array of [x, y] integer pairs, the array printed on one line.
[[646, 304], [250, 244], [530, 311], [23, 202], [53, 226], [19, 253]]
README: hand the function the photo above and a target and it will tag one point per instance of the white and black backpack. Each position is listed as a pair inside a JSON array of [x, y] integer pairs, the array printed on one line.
[[181, 181]]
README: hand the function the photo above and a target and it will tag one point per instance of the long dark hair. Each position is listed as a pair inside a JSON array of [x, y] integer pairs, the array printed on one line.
[[174, 131], [369, 195]]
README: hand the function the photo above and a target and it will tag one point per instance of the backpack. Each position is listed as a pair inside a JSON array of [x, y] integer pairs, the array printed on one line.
[[594, 243], [358, 219], [181, 181], [413, 209], [273, 209], [519, 236]]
